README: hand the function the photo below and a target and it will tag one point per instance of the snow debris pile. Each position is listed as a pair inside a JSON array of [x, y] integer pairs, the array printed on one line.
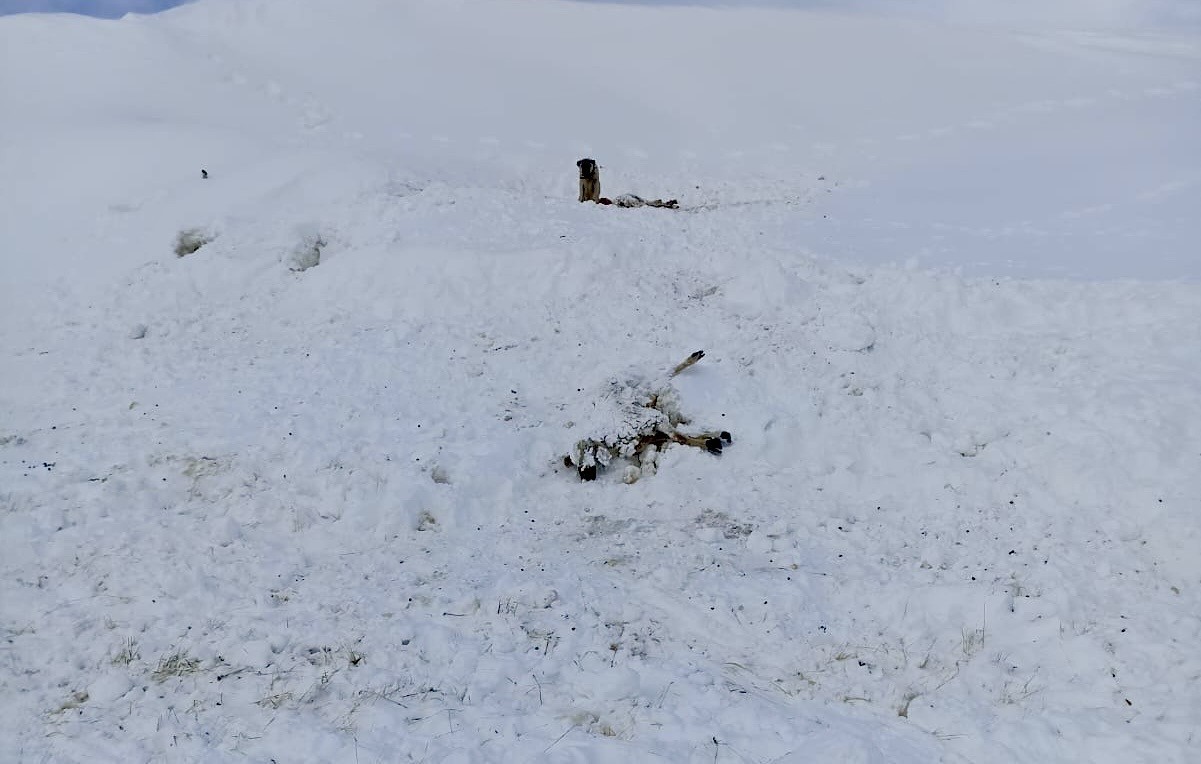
[[190, 240], [635, 419], [307, 252]]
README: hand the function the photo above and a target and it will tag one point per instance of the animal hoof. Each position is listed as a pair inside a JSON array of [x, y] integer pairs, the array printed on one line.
[[588, 473], [713, 446], [727, 437]]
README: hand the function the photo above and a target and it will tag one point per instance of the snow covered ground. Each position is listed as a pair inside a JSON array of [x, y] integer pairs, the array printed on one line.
[[945, 273]]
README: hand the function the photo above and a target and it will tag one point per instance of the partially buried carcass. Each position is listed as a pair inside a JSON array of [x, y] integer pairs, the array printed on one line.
[[634, 419]]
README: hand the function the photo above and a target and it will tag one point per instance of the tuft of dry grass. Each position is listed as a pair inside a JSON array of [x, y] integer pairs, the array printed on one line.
[[178, 663], [127, 654]]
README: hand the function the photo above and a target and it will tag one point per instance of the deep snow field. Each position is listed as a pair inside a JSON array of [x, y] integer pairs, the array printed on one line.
[[946, 275]]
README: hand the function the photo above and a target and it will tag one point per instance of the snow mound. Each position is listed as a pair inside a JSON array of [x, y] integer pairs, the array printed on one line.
[[299, 495]]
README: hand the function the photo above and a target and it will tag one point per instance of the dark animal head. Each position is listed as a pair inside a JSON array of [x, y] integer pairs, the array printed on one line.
[[587, 168]]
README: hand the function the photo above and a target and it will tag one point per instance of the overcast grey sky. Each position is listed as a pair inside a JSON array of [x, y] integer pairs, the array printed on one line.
[[106, 8], [1169, 14]]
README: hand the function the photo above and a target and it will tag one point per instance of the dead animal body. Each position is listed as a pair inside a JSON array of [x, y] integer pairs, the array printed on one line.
[[633, 200], [636, 419]]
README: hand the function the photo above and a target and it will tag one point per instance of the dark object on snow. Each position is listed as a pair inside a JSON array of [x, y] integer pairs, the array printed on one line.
[[589, 180], [204, 174], [633, 200], [713, 445]]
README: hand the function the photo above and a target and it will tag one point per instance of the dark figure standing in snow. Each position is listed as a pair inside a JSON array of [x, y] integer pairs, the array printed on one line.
[[589, 180]]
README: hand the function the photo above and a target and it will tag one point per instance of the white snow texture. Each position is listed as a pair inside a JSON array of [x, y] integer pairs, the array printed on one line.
[[298, 495]]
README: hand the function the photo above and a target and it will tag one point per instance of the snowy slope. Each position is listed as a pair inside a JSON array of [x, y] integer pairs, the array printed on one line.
[[252, 512]]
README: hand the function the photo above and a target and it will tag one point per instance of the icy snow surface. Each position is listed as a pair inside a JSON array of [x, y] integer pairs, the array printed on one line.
[[298, 495]]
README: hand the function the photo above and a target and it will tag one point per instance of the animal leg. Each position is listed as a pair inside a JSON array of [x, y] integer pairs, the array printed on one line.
[[698, 355], [710, 441]]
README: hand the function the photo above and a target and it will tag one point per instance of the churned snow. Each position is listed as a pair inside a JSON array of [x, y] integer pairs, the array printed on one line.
[[296, 493]]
